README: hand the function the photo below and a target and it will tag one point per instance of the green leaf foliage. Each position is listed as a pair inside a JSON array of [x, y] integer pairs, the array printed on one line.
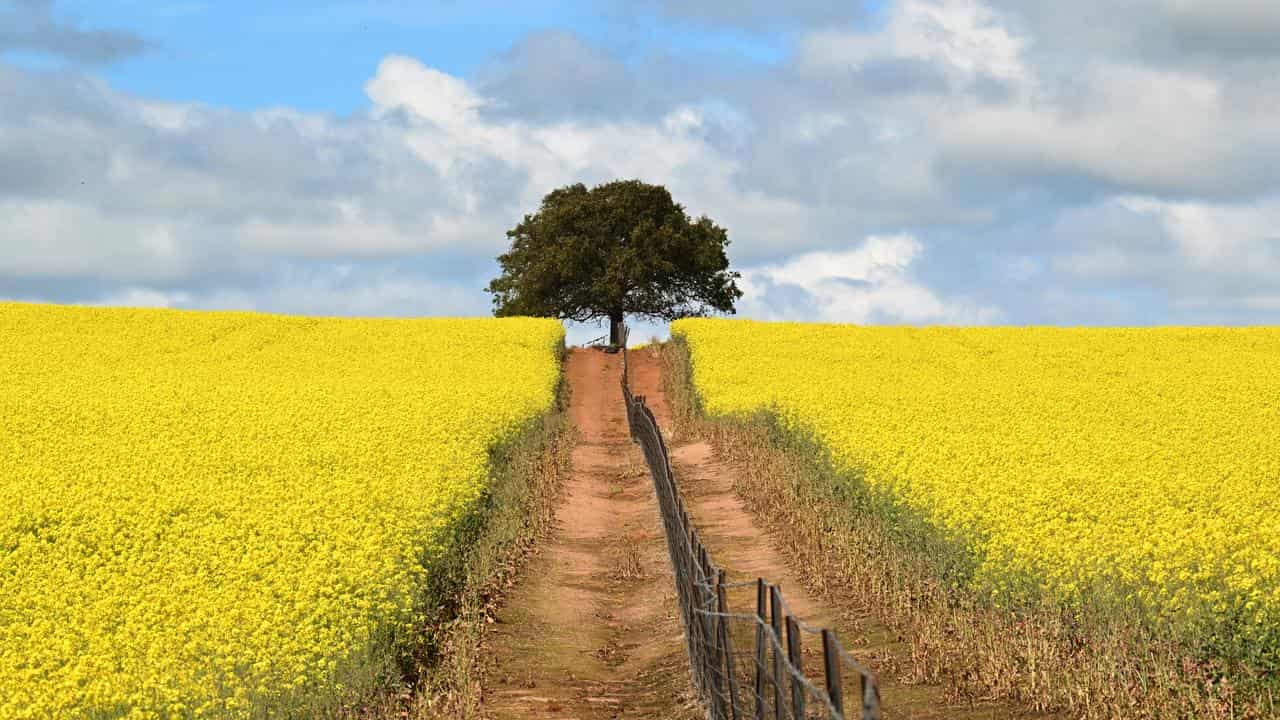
[[621, 248]]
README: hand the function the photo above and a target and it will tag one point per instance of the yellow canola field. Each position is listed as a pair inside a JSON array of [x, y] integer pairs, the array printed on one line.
[[1144, 463], [214, 514]]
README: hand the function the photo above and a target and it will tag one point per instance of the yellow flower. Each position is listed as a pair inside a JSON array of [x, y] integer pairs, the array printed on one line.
[[1126, 462], [200, 510]]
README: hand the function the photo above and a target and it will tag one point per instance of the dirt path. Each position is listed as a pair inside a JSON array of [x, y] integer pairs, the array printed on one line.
[[592, 631]]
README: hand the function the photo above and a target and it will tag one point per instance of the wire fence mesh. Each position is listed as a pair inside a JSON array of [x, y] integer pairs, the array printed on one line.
[[750, 656]]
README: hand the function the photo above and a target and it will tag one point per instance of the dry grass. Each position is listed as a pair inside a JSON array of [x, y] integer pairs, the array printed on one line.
[[1044, 658]]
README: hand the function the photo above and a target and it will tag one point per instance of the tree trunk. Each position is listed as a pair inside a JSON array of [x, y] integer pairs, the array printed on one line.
[[615, 329]]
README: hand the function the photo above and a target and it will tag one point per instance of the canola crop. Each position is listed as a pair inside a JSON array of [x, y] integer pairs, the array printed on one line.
[[225, 514], [1133, 466]]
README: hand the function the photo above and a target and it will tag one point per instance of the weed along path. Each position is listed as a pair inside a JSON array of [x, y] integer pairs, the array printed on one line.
[[591, 630]]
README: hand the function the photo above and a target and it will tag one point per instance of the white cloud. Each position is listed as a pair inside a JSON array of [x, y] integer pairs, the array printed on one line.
[[432, 95], [1124, 127], [382, 293], [335, 290], [1220, 239], [1027, 167], [138, 197], [867, 284], [145, 297], [1168, 32], [1199, 255], [51, 238], [965, 38], [451, 136]]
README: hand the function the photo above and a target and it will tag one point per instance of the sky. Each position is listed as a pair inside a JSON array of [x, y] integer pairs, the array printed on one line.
[[901, 161]]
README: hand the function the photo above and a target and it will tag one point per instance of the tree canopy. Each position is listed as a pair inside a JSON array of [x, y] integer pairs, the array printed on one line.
[[621, 248]]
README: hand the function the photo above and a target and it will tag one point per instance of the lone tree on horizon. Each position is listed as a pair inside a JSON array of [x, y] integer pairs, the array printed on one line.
[[621, 248]]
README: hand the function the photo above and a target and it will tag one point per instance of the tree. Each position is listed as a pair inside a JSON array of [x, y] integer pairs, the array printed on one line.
[[621, 248]]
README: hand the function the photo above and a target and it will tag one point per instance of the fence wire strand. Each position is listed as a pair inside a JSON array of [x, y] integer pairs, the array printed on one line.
[[750, 656]]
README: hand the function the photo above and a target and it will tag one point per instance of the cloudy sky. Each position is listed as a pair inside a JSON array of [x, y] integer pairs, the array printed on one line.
[[909, 161]]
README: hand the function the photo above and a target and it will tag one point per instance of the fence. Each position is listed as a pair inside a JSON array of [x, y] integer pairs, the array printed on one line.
[[760, 664]]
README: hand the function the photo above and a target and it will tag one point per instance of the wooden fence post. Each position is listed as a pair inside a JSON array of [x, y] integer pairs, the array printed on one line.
[[831, 663], [775, 621], [870, 698], [722, 608], [761, 650], [797, 661]]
